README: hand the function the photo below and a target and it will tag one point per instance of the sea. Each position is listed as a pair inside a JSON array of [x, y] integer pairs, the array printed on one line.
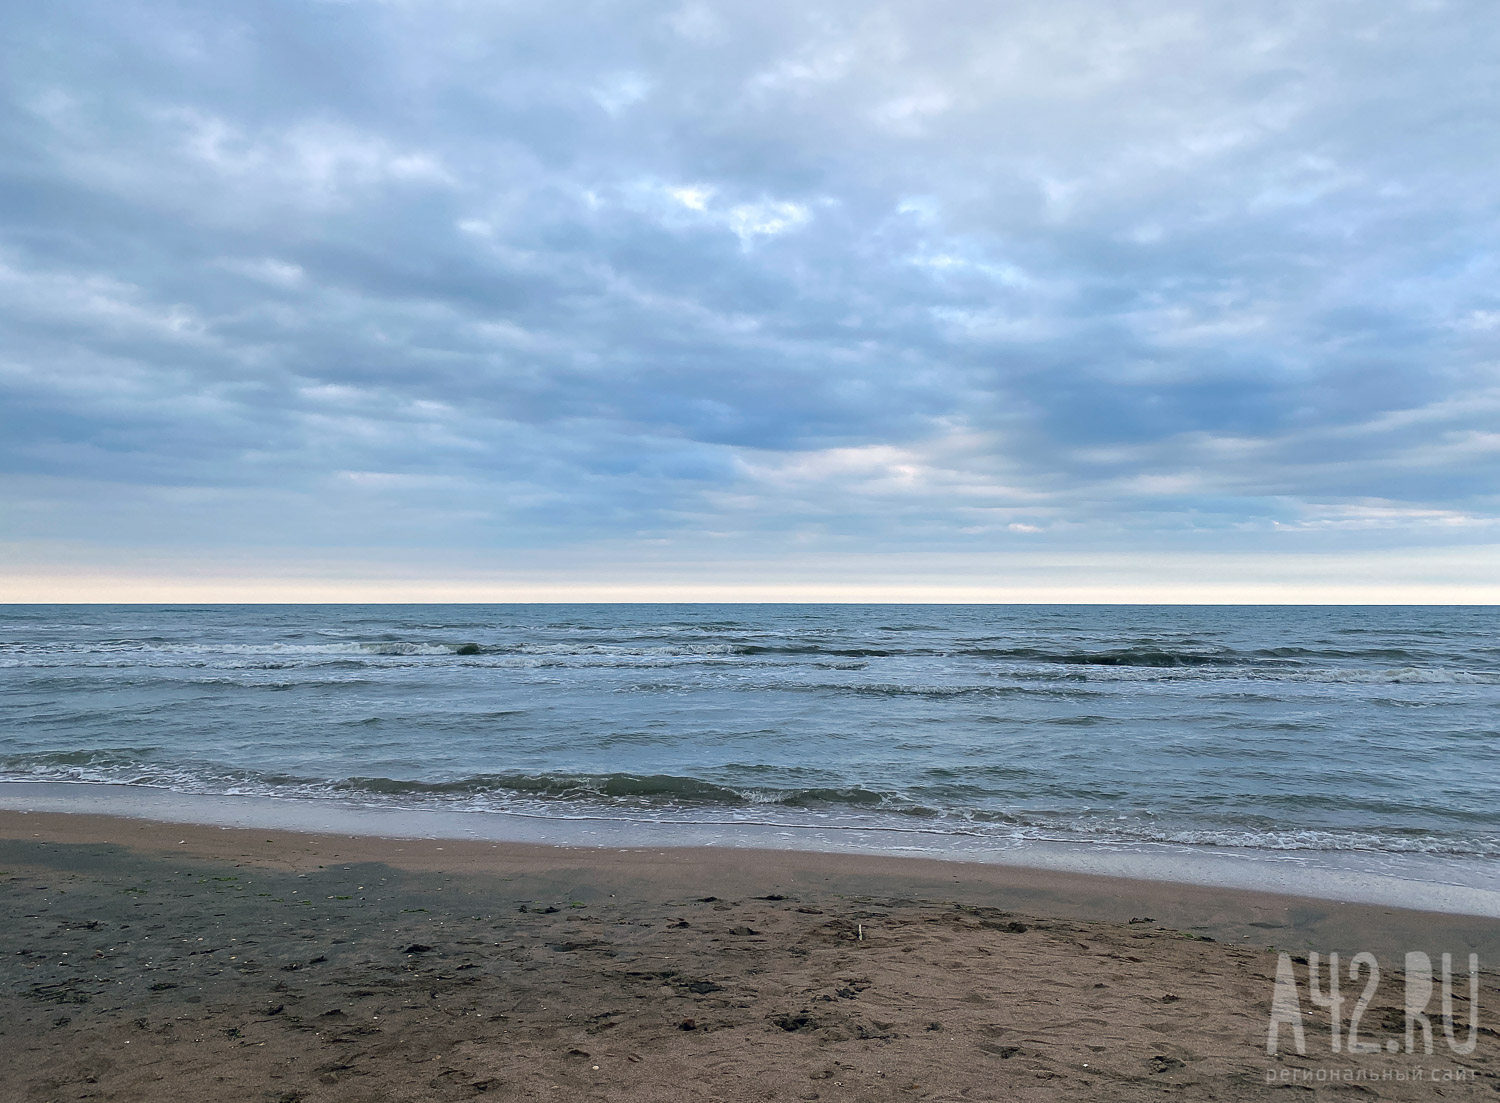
[[1274, 731]]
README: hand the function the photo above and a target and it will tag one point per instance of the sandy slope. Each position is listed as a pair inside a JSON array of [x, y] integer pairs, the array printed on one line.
[[202, 964]]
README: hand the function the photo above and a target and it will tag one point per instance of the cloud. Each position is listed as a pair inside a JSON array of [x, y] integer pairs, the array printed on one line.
[[949, 277]]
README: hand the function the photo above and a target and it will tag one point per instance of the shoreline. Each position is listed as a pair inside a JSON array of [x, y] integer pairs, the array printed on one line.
[[1404, 881], [1223, 913], [156, 962]]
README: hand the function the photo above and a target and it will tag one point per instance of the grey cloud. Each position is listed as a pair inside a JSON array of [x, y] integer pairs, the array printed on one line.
[[942, 274]]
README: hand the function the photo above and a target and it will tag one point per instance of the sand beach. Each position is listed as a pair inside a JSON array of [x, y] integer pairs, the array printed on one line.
[[159, 962]]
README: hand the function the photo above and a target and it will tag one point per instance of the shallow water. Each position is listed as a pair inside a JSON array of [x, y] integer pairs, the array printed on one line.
[[1273, 728]]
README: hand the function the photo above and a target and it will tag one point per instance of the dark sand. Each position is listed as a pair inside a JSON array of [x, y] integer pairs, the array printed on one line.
[[146, 961]]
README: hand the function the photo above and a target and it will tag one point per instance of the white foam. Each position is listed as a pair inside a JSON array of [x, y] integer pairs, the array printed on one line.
[[1422, 882]]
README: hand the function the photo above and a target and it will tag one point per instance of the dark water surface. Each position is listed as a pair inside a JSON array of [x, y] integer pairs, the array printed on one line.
[[1279, 728]]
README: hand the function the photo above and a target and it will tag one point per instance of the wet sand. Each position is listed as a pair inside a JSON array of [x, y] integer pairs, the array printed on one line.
[[149, 961]]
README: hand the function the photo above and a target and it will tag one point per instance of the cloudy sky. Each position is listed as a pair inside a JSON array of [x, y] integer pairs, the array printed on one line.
[[1149, 299]]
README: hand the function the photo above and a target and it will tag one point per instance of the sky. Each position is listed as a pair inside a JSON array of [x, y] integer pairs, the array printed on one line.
[[1070, 300]]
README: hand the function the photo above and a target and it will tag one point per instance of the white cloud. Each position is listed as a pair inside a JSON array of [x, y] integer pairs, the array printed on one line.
[[766, 219], [278, 273], [96, 302], [694, 197], [622, 92], [312, 161], [1048, 271]]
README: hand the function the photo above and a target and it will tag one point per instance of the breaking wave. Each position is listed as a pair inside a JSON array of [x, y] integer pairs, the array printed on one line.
[[676, 798]]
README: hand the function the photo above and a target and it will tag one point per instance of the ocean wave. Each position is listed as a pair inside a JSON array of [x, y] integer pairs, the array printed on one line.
[[1177, 658], [1261, 675], [666, 789], [616, 785], [1122, 656], [1392, 654], [822, 649], [136, 766], [672, 798], [1409, 675], [98, 758]]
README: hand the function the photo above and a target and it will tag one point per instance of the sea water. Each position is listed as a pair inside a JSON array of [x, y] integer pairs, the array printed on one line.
[[1276, 730]]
